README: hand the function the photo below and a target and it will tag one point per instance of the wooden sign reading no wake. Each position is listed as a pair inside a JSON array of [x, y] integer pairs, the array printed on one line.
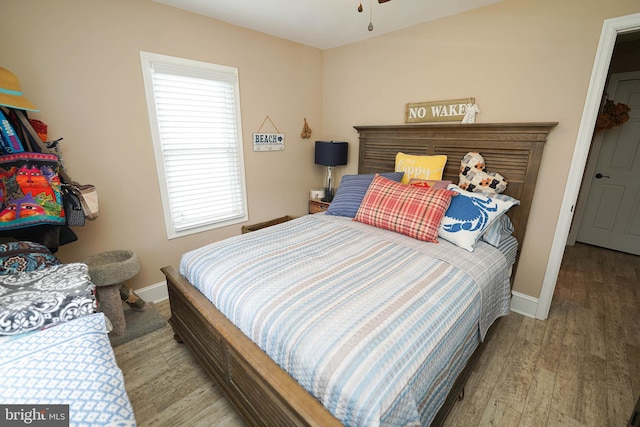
[[452, 110]]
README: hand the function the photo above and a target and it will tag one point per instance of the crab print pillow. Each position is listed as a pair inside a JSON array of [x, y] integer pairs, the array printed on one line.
[[469, 215]]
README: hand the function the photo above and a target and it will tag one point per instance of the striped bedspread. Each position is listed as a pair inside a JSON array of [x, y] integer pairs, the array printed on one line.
[[372, 323]]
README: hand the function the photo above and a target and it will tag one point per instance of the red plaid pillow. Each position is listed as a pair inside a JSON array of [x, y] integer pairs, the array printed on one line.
[[413, 211]]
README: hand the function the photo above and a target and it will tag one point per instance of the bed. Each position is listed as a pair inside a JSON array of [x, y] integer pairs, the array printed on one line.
[[255, 359]]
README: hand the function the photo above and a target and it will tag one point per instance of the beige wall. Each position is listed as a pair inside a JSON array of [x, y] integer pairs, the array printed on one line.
[[78, 60], [523, 60]]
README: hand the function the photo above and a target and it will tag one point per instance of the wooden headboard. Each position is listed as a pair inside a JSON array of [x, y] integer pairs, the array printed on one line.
[[513, 150]]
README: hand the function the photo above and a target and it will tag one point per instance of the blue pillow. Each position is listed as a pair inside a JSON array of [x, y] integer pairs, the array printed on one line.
[[351, 191]]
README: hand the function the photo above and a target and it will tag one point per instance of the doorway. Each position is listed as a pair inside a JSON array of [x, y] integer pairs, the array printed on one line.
[[606, 213], [611, 29]]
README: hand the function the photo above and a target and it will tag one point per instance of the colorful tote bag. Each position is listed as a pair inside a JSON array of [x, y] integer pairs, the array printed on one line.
[[30, 191]]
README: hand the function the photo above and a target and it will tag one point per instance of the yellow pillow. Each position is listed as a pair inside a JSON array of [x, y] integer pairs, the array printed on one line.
[[422, 167]]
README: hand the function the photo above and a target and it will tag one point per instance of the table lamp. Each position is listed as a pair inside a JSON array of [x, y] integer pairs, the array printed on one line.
[[330, 154]]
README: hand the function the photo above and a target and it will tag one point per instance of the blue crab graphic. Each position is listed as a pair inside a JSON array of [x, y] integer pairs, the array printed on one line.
[[472, 213]]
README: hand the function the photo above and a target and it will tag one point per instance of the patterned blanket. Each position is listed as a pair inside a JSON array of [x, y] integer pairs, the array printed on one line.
[[32, 300], [68, 364]]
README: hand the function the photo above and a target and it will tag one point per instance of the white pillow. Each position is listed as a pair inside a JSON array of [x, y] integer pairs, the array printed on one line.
[[469, 215]]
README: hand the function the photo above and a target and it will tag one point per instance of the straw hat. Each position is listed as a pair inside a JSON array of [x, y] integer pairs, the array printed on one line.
[[10, 92]]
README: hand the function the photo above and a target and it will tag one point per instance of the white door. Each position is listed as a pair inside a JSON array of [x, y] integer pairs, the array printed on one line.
[[611, 216]]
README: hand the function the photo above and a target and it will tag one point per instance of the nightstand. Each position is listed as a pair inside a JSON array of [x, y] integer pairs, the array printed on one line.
[[316, 206]]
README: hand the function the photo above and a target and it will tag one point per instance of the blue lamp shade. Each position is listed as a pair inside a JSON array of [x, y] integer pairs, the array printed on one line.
[[331, 153]]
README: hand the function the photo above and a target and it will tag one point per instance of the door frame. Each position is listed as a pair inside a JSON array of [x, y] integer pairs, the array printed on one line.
[[610, 30]]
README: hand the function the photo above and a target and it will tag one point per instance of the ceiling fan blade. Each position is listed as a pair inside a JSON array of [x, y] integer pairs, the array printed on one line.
[[383, 1]]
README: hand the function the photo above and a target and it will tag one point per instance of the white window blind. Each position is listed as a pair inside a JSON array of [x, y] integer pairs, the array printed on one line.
[[195, 122]]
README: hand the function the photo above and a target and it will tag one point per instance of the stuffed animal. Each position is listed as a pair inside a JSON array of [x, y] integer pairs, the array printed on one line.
[[474, 178]]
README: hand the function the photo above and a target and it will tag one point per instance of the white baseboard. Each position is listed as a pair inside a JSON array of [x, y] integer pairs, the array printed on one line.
[[524, 304], [154, 293]]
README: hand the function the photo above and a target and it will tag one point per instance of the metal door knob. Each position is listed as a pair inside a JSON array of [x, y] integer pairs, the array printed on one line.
[[599, 175]]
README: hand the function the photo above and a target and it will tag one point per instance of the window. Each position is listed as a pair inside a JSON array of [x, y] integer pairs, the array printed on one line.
[[194, 112]]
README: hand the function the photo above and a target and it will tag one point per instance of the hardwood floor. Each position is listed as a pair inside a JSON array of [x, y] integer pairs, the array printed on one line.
[[580, 367]]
